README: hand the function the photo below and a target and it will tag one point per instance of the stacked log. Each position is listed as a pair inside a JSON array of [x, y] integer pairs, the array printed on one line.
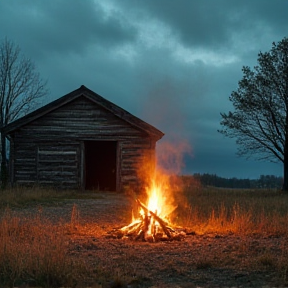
[[149, 227]]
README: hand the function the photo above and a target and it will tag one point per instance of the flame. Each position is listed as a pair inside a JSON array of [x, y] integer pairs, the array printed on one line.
[[151, 220], [159, 198], [159, 203], [153, 216]]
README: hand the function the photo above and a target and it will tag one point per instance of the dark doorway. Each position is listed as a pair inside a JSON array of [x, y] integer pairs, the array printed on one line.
[[100, 165]]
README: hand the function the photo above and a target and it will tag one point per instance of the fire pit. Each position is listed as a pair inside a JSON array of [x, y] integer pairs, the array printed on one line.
[[152, 223]]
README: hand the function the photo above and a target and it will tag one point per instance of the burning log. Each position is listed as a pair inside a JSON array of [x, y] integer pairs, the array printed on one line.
[[162, 223], [149, 227]]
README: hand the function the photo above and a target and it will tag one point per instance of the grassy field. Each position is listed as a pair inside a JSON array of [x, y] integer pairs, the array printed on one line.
[[210, 209], [35, 252]]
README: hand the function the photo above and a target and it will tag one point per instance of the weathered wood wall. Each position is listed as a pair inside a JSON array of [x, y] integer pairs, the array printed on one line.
[[48, 149]]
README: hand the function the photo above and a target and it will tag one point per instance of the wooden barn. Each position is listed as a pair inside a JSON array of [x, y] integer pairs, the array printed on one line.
[[80, 141]]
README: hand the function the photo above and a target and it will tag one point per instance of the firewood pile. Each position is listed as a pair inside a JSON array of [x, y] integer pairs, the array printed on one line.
[[148, 227]]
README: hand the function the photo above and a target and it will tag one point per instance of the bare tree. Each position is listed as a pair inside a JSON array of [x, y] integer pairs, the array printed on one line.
[[259, 121], [20, 89]]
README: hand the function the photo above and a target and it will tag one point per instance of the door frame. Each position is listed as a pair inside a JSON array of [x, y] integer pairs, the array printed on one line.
[[83, 164]]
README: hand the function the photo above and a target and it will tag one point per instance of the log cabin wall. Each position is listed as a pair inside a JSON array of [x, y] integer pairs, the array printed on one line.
[[52, 149]]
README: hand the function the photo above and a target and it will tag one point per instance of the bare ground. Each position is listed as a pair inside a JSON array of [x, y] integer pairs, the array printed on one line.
[[209, 260]]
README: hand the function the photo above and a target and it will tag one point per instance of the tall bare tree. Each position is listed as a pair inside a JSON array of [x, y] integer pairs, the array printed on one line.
[[20, 89], [259, 121]]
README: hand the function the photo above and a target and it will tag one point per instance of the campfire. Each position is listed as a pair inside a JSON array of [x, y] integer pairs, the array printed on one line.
[[152, 221]]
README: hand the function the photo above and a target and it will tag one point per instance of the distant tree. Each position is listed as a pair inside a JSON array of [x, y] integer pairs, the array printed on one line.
[[265, 181], [259, 121], [20, 88]]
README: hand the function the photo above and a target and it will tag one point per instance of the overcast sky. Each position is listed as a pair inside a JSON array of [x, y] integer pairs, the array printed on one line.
[[172, 63]]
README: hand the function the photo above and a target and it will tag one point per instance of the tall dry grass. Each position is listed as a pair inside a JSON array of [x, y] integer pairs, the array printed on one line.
[[35, 252], [210, 209]]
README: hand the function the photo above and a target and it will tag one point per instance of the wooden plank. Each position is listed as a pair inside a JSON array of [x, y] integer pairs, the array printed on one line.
[[45, 152]]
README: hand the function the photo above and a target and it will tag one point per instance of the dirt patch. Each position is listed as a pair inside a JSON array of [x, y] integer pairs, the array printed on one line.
[[209, 260]]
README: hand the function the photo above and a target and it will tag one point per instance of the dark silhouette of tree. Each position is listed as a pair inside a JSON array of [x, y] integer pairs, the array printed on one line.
[[20, 88], [259, 121], [264, 181]]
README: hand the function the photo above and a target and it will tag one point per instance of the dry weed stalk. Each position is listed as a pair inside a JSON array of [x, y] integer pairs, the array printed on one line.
[[35, 252]]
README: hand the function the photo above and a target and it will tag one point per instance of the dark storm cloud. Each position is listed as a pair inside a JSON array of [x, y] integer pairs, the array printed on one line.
[[172, 63], [213, 23], [54, 26]]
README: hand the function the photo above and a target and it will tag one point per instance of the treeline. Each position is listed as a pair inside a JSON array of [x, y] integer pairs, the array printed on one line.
[[264, 181]]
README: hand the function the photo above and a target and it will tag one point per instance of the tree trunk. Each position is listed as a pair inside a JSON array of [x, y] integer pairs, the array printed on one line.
[[285, 162], [285, 175], [4, 170], [285, 158]]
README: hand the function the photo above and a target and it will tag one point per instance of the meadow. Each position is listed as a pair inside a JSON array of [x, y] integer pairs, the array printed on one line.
[[38, 252], [240, 211]]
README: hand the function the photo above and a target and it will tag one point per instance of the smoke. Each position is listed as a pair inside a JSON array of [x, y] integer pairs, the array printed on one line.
[[170, 156], [166, 107]]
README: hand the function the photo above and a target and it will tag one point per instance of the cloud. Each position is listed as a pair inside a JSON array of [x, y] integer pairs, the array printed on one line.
[[172, 63], [212, 27], [55, 27]]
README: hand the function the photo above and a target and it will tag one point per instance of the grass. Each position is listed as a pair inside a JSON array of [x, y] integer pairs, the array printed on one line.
[[238, 211], [35, 252], [29, 196]]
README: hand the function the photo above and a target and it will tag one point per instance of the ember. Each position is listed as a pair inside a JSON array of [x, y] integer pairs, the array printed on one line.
[[152, 223]]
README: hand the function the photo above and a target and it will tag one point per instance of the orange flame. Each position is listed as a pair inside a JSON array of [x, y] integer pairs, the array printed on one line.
[[159, 197], [152, 221]]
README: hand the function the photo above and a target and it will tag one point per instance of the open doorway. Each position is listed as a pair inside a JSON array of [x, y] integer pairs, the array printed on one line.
[[100, 165]]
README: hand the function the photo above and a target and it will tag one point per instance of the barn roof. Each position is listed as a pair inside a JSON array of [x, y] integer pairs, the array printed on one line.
[[94, 97]]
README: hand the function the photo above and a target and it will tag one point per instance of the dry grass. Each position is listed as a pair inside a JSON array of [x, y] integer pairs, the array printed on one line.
[[237, 211], [35, 252], [29, 196], [246, 213], [23, 196]]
